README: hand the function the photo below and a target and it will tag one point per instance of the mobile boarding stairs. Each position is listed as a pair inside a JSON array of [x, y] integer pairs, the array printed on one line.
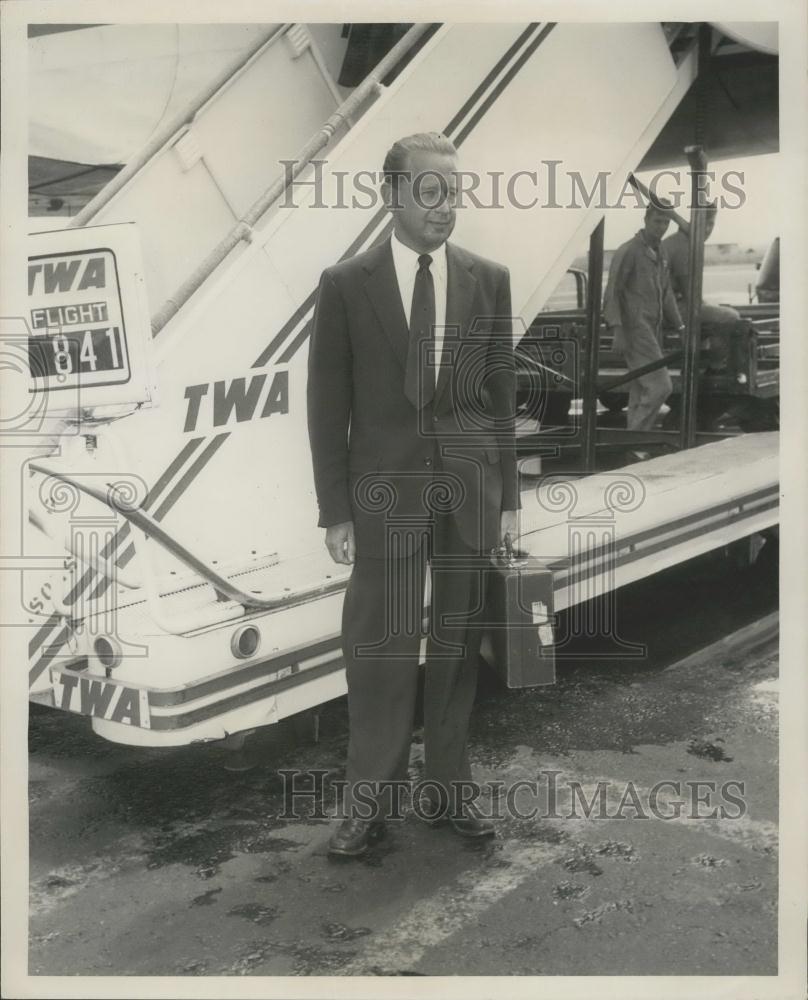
[[196, 598]]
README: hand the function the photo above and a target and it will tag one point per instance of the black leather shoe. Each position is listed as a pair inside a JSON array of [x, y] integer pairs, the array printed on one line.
[[352, 836], [468, 824]]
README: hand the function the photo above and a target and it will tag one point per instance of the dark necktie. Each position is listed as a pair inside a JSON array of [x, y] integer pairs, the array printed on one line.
[[419, 380]]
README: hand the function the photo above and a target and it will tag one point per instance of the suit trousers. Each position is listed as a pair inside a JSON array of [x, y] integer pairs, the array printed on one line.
[[381, 636]]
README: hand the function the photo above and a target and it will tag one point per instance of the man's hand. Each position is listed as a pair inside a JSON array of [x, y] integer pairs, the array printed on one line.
[[339, 540], [509, 525]]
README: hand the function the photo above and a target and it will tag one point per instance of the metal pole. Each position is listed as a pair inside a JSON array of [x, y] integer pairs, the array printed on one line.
[[652, 366], [590, 380], [692, 333]]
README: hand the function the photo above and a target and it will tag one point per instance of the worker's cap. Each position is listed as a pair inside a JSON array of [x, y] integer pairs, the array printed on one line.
[[658, 206]]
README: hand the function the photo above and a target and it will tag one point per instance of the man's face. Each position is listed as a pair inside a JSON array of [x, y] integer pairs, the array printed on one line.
[[423, 207], [656, 225]]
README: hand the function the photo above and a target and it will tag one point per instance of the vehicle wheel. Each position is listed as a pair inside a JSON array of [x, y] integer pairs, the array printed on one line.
[[613, 401]]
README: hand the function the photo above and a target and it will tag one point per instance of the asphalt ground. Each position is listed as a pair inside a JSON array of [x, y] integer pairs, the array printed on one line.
[[156, 862]]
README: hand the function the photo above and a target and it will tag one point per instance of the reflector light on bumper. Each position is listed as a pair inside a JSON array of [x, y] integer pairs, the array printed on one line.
[[108, 652], [245, 642]]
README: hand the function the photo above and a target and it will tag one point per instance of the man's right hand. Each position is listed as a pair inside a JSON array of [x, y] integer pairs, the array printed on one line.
[[339, 540]]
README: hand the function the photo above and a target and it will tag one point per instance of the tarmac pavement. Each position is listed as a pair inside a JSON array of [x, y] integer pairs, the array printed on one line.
[[149, 862]]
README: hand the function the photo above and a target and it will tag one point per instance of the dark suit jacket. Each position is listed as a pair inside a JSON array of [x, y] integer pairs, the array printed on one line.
[[376, 457]]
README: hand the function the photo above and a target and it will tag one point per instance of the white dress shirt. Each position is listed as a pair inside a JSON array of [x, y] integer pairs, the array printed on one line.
[[405, 262]]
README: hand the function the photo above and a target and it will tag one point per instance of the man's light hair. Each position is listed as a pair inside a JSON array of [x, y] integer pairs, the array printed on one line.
[[397, 161]]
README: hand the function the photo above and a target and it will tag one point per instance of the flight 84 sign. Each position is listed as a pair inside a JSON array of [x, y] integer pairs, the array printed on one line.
[[88, 319]]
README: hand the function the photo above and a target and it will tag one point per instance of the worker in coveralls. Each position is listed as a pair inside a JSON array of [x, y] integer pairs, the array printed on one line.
[[639, 300]]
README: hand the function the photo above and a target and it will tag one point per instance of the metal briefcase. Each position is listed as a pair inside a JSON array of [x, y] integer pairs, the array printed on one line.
[[520, 617]]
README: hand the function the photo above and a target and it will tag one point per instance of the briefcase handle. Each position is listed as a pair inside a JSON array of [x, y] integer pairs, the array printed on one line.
[[507, 555]]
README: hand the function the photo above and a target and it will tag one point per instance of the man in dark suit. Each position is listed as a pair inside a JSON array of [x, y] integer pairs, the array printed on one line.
[[411, 402]]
